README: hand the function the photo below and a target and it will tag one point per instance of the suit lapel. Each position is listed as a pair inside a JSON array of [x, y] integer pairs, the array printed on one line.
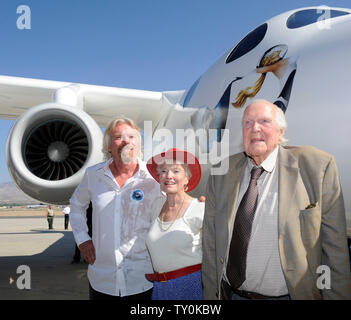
[[234, 177], [288, 184], [288, 176]]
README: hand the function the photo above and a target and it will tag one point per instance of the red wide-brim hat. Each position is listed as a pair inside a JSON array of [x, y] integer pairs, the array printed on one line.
[[183, 157]]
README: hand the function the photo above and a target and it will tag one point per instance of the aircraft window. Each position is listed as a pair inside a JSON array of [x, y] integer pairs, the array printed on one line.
[[191, 92], [248, 43], [305, 17]]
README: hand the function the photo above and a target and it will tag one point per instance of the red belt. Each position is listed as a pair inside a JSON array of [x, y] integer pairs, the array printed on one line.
[[165, 276]]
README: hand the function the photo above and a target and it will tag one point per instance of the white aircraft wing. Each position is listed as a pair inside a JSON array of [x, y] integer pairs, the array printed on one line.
[[57, 119], [101, 102]]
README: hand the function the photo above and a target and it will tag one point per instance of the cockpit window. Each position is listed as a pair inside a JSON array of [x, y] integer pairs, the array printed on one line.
[[248, 43], [305, 17], [191, 92]]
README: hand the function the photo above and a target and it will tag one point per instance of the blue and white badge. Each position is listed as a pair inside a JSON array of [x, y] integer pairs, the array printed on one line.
[[138, 195]]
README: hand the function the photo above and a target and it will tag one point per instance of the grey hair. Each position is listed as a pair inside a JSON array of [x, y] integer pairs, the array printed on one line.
[[107, 135], [281, 122]]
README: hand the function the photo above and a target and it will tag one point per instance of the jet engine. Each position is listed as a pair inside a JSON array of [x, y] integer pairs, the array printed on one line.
[[48, 149]]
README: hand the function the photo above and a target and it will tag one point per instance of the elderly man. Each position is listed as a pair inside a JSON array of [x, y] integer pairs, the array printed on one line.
[[278, 231], [122, 193]]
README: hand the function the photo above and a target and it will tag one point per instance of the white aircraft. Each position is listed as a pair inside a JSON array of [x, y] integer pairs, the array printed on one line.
[[300, 60]]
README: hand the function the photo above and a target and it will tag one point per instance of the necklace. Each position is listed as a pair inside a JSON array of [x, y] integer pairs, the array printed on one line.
[[166, 229]]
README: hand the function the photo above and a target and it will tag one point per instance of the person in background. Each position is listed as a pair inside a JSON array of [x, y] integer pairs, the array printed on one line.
[[122, 193], [275, 219], [66, 211], [174, 239], [50, 216]]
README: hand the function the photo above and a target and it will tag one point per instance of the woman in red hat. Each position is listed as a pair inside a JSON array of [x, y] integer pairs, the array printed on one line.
[[174, 239]]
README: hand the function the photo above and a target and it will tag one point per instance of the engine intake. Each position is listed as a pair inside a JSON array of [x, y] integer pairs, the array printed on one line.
[[56, 150], [48, 149]]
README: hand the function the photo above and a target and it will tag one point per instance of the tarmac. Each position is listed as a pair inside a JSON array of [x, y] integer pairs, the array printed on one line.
[[35, 263]]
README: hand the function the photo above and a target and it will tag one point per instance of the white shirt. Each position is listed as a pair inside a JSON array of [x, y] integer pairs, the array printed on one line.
[[121, 220], [66, 210], [180, 246], [264, 272]]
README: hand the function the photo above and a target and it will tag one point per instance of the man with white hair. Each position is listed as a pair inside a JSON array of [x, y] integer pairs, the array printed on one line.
[[122, 193], [274, 225]]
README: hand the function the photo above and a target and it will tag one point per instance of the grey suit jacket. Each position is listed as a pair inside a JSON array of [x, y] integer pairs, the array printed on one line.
[[311, 224]]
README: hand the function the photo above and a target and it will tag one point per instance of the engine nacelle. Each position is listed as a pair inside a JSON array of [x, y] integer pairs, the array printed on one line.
[[48, 149]]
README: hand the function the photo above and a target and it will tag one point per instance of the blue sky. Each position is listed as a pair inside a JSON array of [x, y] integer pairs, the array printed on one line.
[[139, 44]]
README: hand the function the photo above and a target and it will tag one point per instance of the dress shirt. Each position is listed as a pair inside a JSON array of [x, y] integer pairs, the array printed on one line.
[[264, 272], [121, 219]]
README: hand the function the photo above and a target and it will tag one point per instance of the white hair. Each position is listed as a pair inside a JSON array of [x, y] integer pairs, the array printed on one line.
[[281, 122]]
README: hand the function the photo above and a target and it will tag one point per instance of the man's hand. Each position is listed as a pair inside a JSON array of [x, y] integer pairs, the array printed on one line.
[[88, 251]]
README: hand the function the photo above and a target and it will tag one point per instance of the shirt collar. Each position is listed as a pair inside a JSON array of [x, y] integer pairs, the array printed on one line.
[[269, 163], [141, 169]]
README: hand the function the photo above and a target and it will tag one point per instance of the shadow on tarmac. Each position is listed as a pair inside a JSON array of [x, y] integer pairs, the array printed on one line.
[[52, 276]]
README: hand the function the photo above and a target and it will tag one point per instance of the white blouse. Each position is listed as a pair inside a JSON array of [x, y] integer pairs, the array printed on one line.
[[180, 246]]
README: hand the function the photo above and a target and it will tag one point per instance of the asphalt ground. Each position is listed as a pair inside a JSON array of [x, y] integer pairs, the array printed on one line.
[[35, 263]]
